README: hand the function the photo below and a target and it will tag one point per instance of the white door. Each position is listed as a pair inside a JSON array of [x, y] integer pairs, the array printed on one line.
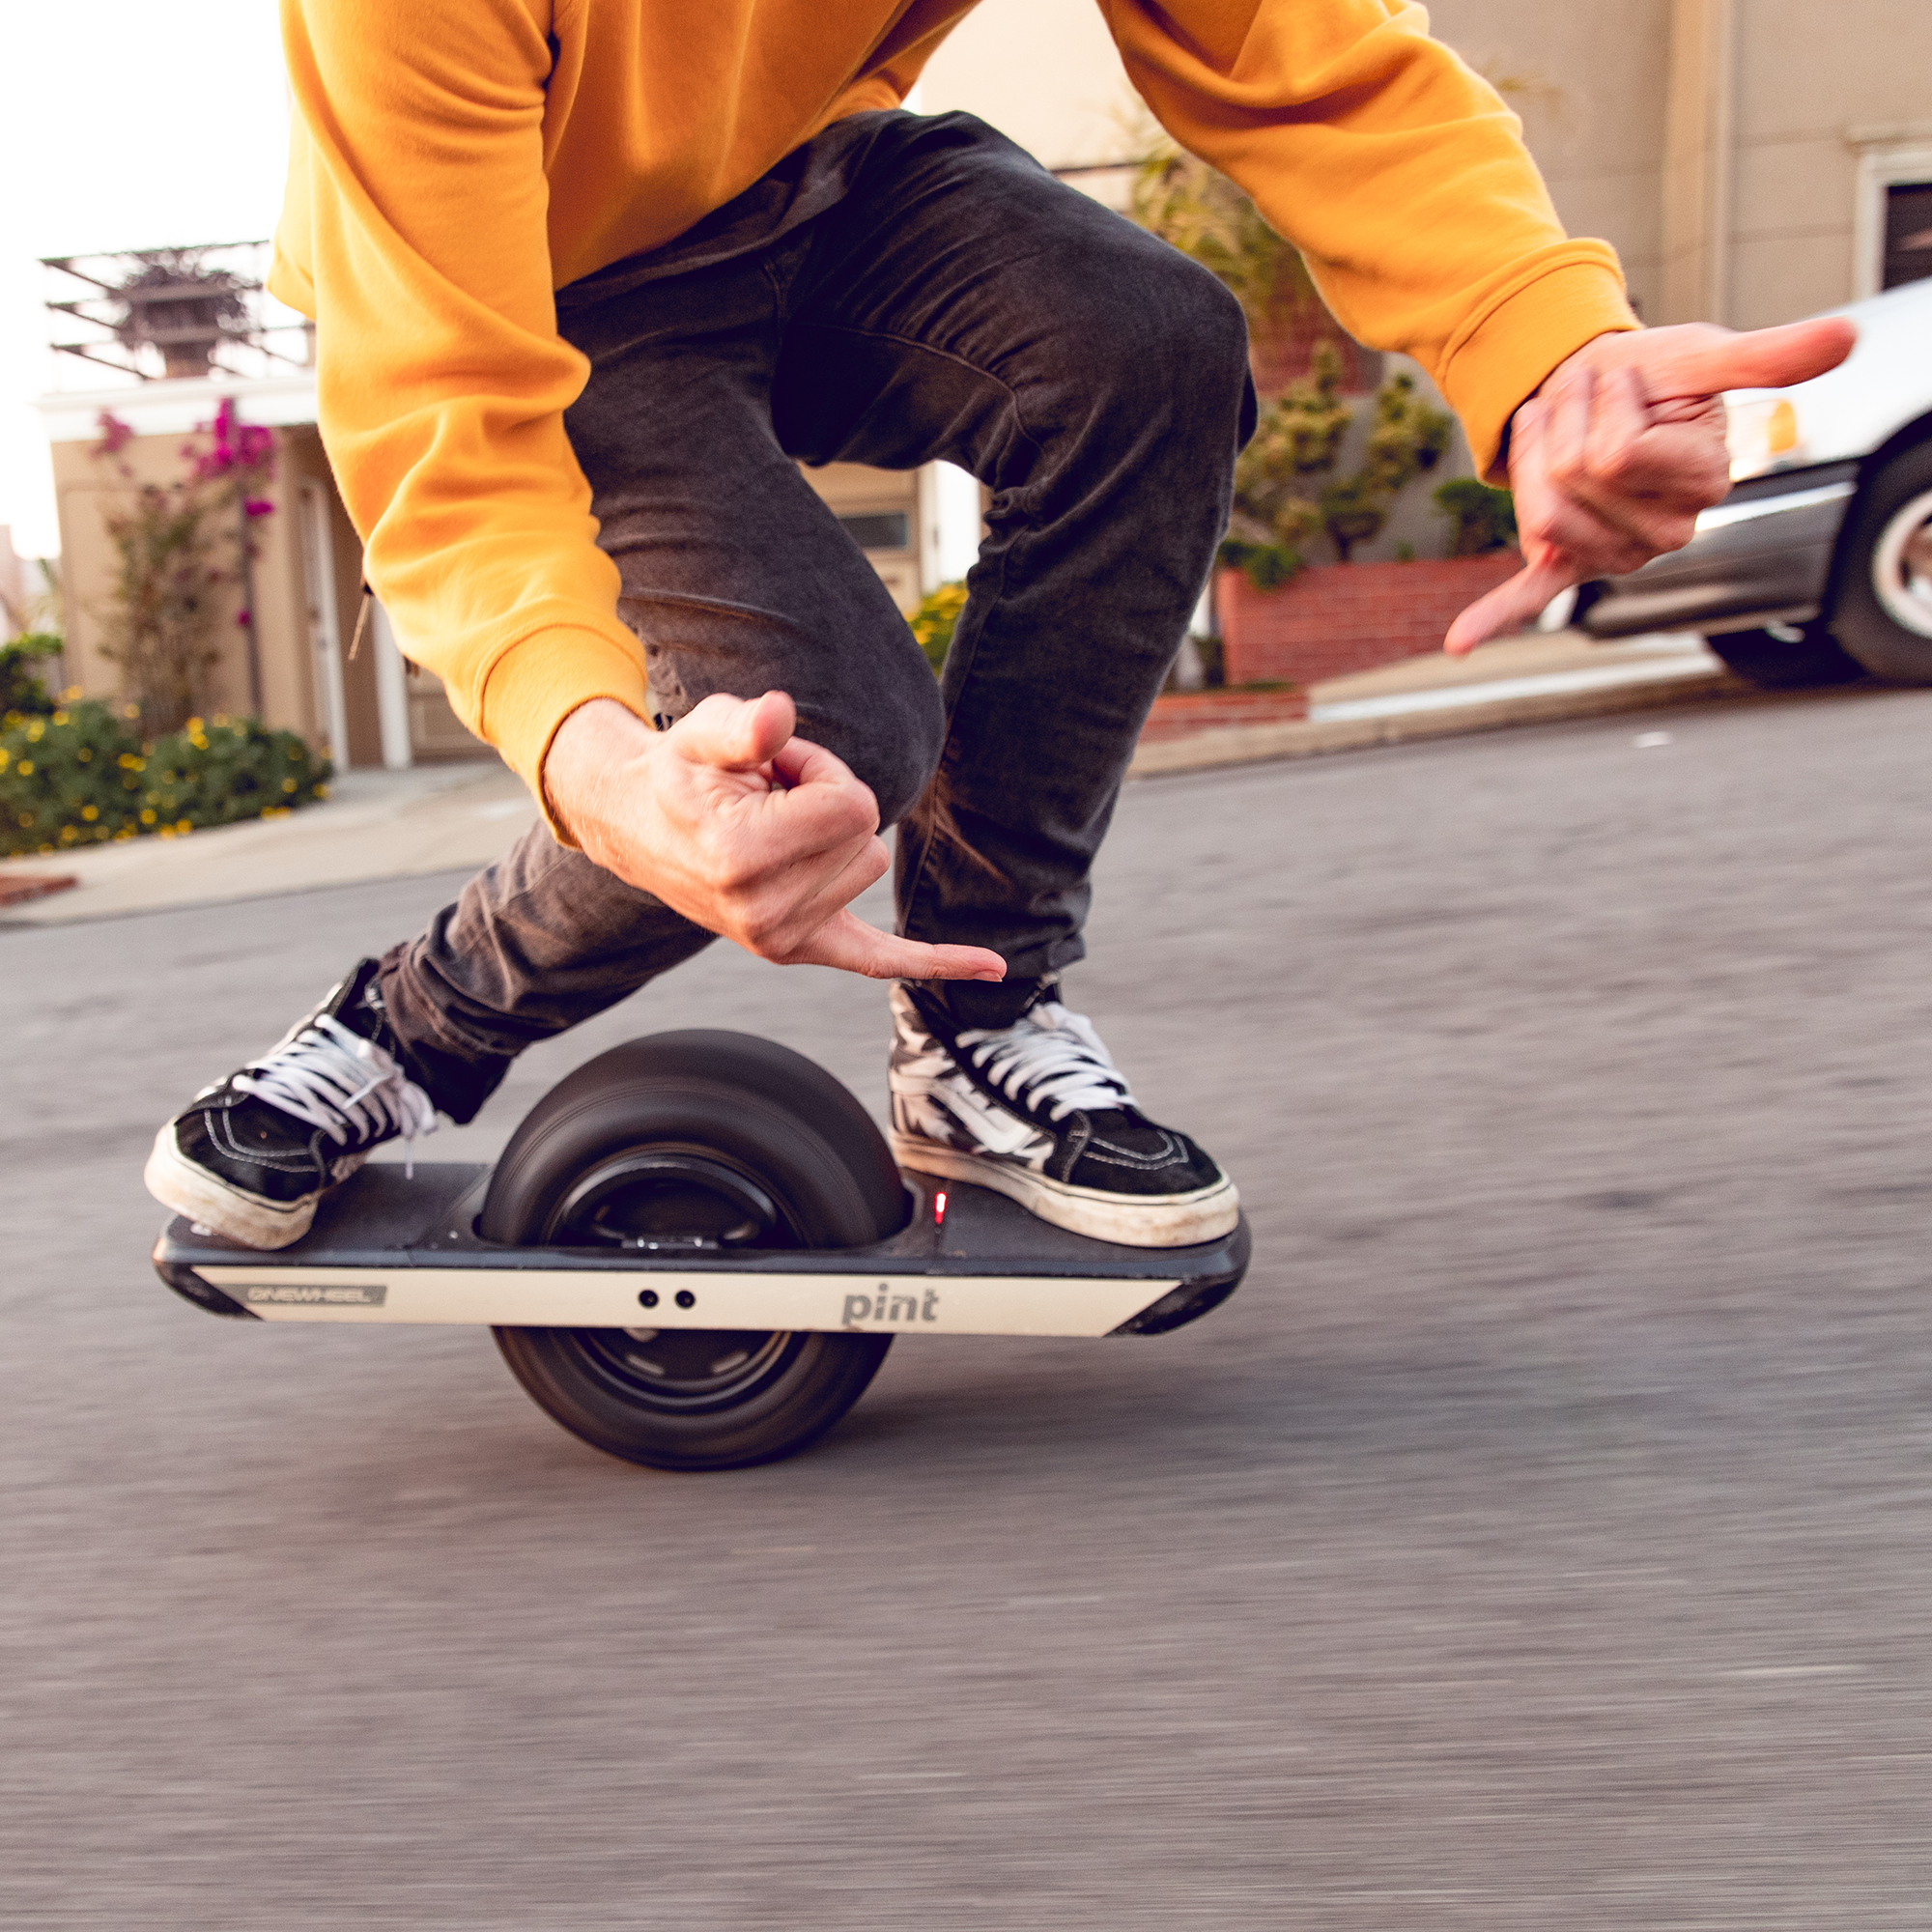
[[324, 628]]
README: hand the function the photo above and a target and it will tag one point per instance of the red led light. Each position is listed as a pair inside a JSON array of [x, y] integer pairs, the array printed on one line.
[[938, 1208]]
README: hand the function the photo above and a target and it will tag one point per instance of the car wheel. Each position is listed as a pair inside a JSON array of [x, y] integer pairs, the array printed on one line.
[[1883, 615], [1787, 657]]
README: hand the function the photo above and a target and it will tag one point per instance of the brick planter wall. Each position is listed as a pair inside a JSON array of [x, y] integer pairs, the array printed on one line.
[[1179, 714], [1341, 617]]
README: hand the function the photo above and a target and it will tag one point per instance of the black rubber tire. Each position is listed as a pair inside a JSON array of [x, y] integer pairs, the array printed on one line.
[[737, 1108], [1778, 664], [1867, 630]]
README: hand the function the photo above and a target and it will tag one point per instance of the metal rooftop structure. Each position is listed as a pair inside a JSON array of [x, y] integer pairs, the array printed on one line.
[[170, 314]]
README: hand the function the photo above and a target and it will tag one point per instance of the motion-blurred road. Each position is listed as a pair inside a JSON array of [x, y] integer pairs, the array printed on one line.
[[1542, 1538]]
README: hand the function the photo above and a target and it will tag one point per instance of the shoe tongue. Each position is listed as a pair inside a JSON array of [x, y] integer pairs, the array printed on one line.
[[975, 1006], [357, 1004]]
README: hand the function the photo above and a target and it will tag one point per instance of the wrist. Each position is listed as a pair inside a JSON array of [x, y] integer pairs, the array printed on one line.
[[597, 739]]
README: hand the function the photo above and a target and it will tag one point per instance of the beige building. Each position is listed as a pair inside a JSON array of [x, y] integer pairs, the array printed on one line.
[[1749, 159], [1752, 160]]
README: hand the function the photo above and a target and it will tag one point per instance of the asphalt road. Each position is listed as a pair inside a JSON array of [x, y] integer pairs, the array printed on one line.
[[1542, 1538]]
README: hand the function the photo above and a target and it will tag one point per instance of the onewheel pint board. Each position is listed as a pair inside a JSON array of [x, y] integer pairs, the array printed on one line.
[[695, 1252]]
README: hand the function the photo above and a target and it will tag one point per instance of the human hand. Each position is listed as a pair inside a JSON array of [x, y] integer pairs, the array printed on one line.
[[754, 835], [1624, 444]]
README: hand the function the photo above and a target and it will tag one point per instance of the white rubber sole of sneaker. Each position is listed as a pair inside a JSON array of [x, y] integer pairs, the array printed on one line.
[[232, 1212], [1177, 1221]]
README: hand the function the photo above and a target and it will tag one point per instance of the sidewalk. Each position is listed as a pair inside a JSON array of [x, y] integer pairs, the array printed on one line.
[[1525, 680], [375, 825], [442, 818]]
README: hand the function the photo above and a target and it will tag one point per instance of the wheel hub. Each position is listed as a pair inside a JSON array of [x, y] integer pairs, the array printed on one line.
[[668, 1200], [686, 1368], [1901, 566]]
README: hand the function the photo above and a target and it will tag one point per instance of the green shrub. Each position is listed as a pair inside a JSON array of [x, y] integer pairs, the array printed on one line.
[[932, 623], [1267, 566], [21, 688], [1480, 519], [81, 776], [1295, 446]]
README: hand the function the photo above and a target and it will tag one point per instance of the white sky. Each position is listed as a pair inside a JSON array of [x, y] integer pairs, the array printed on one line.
[[128, 124]]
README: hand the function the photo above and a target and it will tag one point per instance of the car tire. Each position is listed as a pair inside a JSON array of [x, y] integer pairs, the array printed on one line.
[[1883, 615], [1800, 661]]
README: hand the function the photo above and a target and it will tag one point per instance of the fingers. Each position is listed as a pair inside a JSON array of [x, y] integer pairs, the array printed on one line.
[[846, 942], [1551, 465], [1769, 358], [735, 734], [1604, 479], [820, 803], [801, 763], [1510, 607], [1703, 361], [1608, 446]]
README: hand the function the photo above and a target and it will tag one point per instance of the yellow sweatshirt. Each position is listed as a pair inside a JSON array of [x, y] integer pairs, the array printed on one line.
[[454, 163]]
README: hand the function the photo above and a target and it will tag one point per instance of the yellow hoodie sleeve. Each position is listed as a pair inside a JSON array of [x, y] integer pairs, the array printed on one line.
[[418, 229], [417, 209], [1398, 173]]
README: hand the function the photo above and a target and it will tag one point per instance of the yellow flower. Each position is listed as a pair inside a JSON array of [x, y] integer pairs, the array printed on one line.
[[184, 826], [85, 755], [148, 816], [192, 725], [60, 716], [288, 784], [90, 812], [5, 754], [26, 768]]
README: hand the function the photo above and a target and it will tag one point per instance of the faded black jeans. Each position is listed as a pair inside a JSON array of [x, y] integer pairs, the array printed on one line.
[[898, 291]]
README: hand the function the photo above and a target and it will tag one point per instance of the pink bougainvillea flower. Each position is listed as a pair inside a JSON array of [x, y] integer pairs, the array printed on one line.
[[242, 618], [114, 433], [259, 506]]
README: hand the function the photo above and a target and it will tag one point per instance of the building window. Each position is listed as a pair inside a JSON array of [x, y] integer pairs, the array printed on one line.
[[1908, 233], [1891, 226], [883, 529]]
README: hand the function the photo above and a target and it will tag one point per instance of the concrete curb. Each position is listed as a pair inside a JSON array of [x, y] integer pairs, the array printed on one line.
[[1253, 744]]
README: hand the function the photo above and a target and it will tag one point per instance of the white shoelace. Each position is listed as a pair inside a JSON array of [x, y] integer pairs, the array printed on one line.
[[343, 1084], [1053, 1058]]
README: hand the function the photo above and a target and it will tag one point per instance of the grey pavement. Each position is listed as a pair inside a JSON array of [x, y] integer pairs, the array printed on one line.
[[1540, 1539]]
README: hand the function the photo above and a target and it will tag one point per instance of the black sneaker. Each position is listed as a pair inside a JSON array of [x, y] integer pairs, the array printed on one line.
[[251, 1157], [1038, 1111]]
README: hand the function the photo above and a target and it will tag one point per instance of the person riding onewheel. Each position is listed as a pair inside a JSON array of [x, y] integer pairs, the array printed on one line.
[[590, 281]]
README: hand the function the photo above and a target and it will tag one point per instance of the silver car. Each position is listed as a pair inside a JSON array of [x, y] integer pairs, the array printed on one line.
[[1818, 565]]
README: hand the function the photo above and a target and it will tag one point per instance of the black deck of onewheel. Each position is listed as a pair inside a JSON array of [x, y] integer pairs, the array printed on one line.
[[381, 1218]]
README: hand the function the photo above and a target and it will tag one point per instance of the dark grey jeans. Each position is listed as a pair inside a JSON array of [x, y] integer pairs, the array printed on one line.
[[902, 289]]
